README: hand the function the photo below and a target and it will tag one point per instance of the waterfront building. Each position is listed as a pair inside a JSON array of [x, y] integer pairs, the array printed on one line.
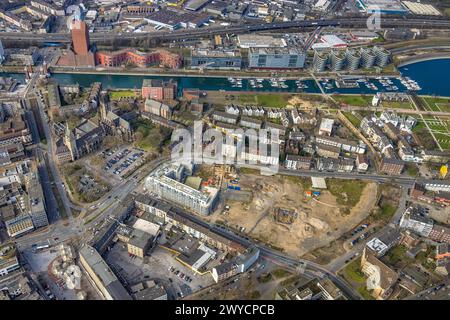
[[337, 60], [353, 58], [159, 90], [276, 58], [79, 55], [382, 56], [118, 58], [320, 61], [216, 59], [367, 58]]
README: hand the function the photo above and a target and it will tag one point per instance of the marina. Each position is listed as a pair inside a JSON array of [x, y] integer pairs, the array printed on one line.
[[416, 77]]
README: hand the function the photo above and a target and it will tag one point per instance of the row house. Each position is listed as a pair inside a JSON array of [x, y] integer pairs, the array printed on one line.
[[224, 117], [274, 113], [250, 122], [231, 109], [252, 111], [342, 144], [295, 162], [327, 151]]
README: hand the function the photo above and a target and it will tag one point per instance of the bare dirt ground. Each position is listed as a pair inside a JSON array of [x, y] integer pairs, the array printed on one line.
[[319, 221]]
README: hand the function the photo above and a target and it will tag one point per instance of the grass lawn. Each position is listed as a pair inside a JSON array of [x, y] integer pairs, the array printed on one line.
[[280, 273], [365, 293], [353, 275], [352, 118], [347, 192], [354, 100], [444, 140], [116, 95], [438, 104], [265, 100], [397, 105], [412, 169], [386, 212], [397, 257], [352, 272], [150, 137]]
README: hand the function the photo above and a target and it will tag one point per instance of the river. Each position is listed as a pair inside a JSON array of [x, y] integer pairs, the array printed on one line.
[[433, 76]]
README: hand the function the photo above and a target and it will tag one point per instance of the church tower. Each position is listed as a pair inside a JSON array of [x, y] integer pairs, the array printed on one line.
[[70, 142]]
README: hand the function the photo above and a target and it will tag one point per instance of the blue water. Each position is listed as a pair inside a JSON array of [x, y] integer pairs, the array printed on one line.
[[433, 76]]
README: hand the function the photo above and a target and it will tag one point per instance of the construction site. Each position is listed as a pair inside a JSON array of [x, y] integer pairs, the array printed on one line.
[[288, 214]]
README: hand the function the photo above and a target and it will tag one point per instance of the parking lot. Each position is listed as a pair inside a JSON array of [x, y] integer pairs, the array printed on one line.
[[157, 266], [122, 161]]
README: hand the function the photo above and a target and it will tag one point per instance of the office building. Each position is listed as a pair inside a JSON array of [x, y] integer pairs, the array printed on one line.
[[412, 219], [19, 225], [216, 59], [276, 58], [36, 198], [165, 182], [100, 274]]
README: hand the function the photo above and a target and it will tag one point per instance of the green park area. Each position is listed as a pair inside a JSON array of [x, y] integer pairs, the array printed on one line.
[[352, 118], [353, 275], [397, 105], [148, 136], [354, 99], [118, 94], [437, 104], [265, 100]]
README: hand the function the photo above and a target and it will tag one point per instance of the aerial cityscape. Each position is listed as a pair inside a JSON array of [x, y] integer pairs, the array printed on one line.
[[199, 150]]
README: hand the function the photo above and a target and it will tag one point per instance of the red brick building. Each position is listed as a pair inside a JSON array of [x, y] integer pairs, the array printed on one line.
[[79, 56], [159, 90], [117, 58], [391, 166], [80, 38]]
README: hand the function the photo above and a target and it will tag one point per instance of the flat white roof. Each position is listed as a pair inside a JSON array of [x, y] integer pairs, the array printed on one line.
[[333, 40], [377, 245], [326, 125], [147, 227], [318, 183], [420, 8]]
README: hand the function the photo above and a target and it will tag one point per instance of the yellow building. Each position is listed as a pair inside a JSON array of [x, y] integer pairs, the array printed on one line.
[[444, 171]]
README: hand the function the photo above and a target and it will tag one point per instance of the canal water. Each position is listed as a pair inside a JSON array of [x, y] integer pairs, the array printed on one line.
[[433, 77]]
